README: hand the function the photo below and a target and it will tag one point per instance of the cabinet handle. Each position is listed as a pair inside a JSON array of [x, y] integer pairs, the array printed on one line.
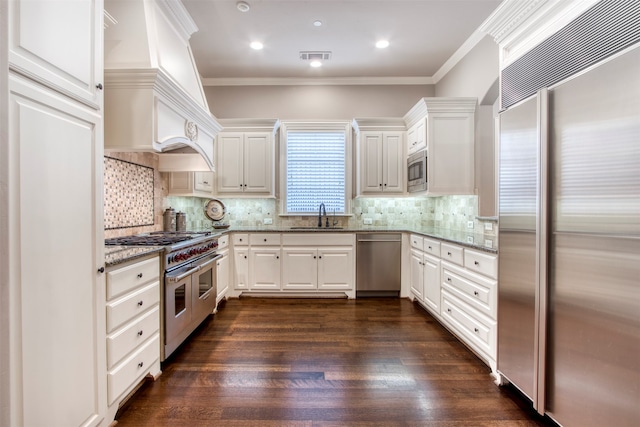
[[449, 253], [448, 279], [476, 262], [314, 257], [476, 293], [101, 270], [320, 257], [245, 257], [448, 310], [140, 333], [475, 330], [277, 257], [140, 303], [139, 275], [205, 182], [99, 86], [140, 365], [385, 185], [265, 240], [240, 240], [380, 185], [429, 247]]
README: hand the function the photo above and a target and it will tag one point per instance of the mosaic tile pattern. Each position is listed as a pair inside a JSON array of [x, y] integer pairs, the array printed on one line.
[[128, 194]]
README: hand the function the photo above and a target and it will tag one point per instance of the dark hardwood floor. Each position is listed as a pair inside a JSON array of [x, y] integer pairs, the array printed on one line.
[[324, 362]]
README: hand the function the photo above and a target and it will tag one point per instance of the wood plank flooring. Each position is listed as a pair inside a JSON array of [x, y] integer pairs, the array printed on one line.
[[324, 362]]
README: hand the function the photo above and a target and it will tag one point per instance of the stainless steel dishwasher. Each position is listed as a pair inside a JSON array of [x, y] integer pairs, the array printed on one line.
[[378, 264]]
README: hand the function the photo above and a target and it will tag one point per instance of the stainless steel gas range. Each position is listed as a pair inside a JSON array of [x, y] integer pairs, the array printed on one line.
[[188, 293]]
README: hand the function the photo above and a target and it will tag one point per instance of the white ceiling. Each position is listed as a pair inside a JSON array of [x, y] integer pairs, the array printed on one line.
[[423, 35]]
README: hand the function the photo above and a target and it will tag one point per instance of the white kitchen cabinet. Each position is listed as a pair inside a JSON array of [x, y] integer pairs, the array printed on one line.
[[222, 272], [431, 296], [318, 262], [264, 268], [52, 210], [60, 45], [382, 164], [416, 274], [245, 163], [417, 136], [195, 184], [240, 260], [448, 125], [133, 327], [326, 268]]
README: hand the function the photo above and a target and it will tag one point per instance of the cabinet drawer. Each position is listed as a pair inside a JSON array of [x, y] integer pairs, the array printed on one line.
[[478, 292], [416, 241], [124, 341], [452, 253], [124, 309], [431, 247], [133, 368], [132, 276], [240, 239], [480, 333], [482, 263], [264, 239], [223, 241]]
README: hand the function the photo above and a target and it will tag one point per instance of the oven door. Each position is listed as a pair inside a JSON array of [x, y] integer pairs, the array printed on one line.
[[178, 300], [203, 293]]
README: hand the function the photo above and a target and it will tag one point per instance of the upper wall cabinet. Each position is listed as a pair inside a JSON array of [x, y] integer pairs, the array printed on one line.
[[447, 125], [69, 58], [381, 162], [245, 158]]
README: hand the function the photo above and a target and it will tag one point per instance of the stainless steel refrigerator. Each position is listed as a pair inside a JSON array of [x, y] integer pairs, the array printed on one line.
[[569, 246]]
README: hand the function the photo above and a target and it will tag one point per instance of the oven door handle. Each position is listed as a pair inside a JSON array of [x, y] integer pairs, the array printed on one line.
[[209, 261], [181, 276]]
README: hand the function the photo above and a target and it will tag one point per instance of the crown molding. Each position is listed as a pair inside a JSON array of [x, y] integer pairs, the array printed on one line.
[[329, 81]]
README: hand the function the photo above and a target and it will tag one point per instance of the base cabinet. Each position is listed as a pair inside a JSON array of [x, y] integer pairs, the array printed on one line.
[[133, 327], [317, 268], [222, 270]]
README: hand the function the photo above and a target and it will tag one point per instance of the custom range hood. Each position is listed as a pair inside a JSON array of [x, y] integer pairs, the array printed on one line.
[[153, 97]]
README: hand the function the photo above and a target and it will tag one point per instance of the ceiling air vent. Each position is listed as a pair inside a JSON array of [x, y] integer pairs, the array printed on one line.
[[315, 56]]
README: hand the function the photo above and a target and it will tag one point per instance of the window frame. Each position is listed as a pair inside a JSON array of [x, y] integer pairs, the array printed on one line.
[[319, 126]]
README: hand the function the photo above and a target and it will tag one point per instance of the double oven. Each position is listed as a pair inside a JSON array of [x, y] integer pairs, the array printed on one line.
[[189, 287]]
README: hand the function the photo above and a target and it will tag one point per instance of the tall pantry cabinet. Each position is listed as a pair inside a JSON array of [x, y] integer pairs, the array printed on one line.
[[52, 227]]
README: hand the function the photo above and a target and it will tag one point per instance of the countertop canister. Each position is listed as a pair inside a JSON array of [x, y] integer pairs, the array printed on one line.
[[169, 220]]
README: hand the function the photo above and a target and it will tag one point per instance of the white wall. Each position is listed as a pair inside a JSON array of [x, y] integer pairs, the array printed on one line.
[[314, 102], [475, 74]]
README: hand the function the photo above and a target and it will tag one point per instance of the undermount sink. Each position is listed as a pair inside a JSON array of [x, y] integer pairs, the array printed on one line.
[[316, 228]]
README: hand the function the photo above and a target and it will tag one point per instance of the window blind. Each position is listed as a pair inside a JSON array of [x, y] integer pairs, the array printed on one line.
[[316, 171]]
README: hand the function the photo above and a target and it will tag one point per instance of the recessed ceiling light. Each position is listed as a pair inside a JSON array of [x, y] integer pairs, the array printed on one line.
[[381, 44], [317, 23], [256, 45], [243, 6], [315, 64]]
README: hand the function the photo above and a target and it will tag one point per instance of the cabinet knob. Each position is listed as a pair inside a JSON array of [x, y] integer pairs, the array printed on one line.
[[140, 303], [449, 253], [245, 257], [448, 310], [140, 365], [101, 270], [320, 257], [476, 262], [448, 279], [277, 257], [205, 182], [476, 293], [99, 86], [140, 333], [139, 275], [314, 257], [265, 240], [475, 330], [429, 247]]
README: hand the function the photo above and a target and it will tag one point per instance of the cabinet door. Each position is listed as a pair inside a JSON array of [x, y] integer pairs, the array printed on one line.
[[180, 183], [57, 237], [230, 162], [203, 183], [222, 280], [241, 264], [432, 282], [265, 268], [451, 168], [393, 163], [371, 162], [299, 268], [416, 274], [69, 57], [258, 161], [336, 268]]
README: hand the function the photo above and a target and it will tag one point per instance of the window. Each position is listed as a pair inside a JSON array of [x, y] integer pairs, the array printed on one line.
[[315, 167]]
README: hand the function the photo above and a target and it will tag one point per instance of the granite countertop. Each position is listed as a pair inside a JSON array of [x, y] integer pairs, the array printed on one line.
[[471, 240], [114, 255]]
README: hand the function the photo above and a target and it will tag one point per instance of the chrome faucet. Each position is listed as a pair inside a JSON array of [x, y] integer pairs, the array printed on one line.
[[320, 210]]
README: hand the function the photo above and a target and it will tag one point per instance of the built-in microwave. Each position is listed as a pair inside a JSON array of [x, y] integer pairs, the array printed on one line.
[[417, 172]]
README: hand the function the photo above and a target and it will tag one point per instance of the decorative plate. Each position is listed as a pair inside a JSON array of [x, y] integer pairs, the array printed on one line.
[[214, 210]]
